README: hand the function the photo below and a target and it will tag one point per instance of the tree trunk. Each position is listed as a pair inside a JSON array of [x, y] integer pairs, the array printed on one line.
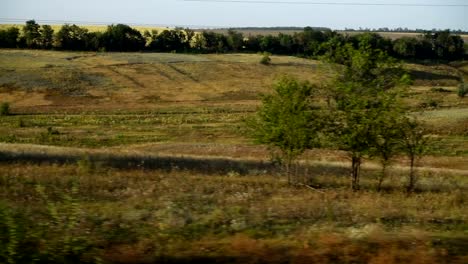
[[382, 176], [412, 180], [288, 169], [356, 166]]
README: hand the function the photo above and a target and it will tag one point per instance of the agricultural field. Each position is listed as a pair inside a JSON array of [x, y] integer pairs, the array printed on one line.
[[144, 158]]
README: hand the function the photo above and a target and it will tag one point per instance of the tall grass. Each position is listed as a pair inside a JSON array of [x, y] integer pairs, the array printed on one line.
[[139, 215]]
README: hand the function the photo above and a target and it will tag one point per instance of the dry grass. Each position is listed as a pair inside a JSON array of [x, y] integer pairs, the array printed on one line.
[[141, 81], [155, 144], [145, 215]]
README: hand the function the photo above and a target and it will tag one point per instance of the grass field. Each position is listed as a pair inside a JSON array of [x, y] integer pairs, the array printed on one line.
[[142, 158]]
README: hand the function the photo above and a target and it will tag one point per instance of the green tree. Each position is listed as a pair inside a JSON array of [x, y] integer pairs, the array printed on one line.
[[72, 37], [265, 60], [362, 96], [32, 34], [405, 47], [4, 109], [122, 37], [387, 129], [462, 89], [285, 121], [47, 36], [235, 40], [9, 37], [414, 145]]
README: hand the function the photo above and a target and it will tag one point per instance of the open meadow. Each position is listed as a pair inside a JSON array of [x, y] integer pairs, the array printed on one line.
[[144, 158]]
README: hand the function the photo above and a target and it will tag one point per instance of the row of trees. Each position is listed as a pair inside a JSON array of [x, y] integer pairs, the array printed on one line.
[[310, 42], [364, 115]]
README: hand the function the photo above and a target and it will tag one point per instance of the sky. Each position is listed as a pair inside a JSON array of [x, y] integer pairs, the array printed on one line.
[[238, 13]]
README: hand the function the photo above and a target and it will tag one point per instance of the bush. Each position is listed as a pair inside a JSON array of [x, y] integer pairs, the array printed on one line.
[[4, 109], [266, 60], [462, 90]]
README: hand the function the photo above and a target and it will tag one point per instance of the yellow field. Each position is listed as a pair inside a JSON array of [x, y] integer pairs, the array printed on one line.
[[91, 28]]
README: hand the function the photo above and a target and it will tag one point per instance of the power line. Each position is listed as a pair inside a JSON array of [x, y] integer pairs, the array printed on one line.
[[328, 3]]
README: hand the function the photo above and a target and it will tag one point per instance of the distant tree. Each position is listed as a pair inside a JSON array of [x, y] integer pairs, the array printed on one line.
[[285, 121], [199, 43], [72, 37], [189, 38], [372, 40], [32, 35], [252, 43], [405, 47], [122, 37], [214, 42], [308, 42], [47, 36], [446, 46], [171, 40], [270, 44], [286, 43], [235, 40], [9, 37]]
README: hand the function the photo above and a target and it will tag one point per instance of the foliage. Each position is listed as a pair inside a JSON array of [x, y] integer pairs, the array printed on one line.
[[366, 111], [235, 40], [4, 109], [47, 37], [72, 37], [32, 35], [387, 129], [414, 145], [462, 90], [9, 37], [265, 60], [286, 121], [58, 236], [310, 42], [172, 40], [122, 37], [157, 216]]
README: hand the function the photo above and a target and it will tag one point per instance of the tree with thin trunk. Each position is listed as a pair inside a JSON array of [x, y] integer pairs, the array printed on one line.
[[388, 123], [414, 145], [286, 122], [362, 96]]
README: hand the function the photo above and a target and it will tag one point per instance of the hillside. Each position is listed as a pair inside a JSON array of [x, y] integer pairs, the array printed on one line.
[[143, 158], [114, 99]]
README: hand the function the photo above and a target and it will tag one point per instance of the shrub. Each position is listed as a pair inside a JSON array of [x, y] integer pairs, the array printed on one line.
[[462, 90], [266, 60], [4, 109]]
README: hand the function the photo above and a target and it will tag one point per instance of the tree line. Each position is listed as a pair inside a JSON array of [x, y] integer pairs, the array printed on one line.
[[363, 115], [441, 45]]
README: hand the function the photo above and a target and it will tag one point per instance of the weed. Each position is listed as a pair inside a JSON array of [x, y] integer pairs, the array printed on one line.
[[5, 109]]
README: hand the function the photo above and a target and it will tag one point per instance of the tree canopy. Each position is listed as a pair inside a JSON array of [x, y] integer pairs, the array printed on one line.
[[310, 42]]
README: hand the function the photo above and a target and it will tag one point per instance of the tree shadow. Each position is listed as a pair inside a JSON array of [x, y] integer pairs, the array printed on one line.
[[430, 76], [209, 166]]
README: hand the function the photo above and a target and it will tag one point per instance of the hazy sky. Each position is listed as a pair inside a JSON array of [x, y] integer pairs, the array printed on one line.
[[235, 14]]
